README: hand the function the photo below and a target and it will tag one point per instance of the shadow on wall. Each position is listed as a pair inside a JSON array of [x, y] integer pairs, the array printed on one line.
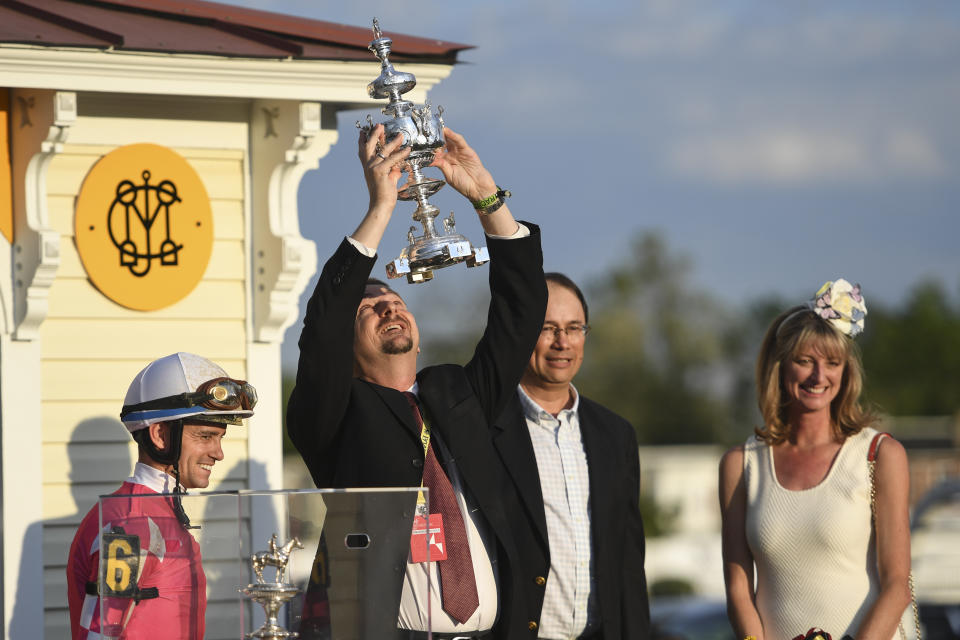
[[100, 461]]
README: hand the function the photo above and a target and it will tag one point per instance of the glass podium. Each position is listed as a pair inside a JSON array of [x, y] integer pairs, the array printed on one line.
[[325, 564]]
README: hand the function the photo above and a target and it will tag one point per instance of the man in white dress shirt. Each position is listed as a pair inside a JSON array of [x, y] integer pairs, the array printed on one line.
[[575, 470]]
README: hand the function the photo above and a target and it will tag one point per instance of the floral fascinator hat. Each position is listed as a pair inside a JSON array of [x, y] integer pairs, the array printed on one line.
[[841, 304]]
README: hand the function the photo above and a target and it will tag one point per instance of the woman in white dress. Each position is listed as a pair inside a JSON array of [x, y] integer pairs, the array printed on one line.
[[795, 498]]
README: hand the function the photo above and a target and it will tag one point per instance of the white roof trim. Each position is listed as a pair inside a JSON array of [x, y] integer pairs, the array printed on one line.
[[75, 69]]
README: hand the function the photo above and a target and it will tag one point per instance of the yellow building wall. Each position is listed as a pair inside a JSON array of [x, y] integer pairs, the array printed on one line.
[[92, 347]]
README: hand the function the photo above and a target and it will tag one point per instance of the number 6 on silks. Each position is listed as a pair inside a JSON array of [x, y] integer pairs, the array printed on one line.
[[120, 565]]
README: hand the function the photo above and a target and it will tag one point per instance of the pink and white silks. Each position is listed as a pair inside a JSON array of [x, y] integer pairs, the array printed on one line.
[[169, 561]]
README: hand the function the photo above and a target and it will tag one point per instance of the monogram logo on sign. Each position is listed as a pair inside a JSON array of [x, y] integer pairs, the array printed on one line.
[[144, 225], [140, 206]]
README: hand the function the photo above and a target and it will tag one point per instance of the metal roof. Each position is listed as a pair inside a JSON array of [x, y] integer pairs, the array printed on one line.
[[200, 27]]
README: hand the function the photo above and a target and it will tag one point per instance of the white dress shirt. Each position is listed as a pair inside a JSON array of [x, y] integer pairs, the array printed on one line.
[[419, 593], [159, 481], [569, 606]]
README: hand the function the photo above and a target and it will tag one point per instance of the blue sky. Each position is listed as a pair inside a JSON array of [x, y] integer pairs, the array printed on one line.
[[778, 145]]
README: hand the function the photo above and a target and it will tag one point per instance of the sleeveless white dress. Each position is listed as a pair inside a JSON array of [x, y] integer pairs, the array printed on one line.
[[814, 550]]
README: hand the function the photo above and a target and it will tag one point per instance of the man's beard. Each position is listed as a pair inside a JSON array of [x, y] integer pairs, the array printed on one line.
[[397, 346]]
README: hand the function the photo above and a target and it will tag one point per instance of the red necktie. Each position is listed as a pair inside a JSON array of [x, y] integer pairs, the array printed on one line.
[[458, 586]]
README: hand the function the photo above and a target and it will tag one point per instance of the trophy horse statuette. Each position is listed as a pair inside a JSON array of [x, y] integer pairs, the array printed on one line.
[[274, 557], [272, 595]]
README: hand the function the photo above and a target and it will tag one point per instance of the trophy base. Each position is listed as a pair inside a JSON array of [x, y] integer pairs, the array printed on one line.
[[421, 266], [272, 632], [271, 596]]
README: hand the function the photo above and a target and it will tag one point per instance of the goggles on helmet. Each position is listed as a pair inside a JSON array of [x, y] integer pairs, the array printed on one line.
[[225, 394], [219, 396]]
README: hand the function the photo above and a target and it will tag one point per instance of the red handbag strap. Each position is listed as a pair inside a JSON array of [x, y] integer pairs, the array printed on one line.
[[871, 463], [875, 444]]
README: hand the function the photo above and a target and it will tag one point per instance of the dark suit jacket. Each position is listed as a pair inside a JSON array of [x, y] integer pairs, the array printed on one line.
[[617, 530], [353, 433]]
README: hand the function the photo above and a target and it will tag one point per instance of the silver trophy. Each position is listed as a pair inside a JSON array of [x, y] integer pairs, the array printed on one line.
[[272, 595], [422, 131]]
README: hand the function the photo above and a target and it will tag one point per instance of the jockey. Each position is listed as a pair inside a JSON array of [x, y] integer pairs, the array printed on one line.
[[153, 586]]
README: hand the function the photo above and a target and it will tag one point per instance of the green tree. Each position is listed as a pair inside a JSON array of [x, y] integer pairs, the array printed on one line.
[[659, 351], [912, 355]]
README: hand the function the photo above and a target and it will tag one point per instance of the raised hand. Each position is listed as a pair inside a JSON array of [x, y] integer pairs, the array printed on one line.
[[462, 168], [382, 163]]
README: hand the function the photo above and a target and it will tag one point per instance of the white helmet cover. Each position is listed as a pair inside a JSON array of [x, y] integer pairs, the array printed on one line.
[[172, 375]]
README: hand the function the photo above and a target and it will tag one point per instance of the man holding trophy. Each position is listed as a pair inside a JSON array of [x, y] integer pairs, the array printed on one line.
[[362, 416]]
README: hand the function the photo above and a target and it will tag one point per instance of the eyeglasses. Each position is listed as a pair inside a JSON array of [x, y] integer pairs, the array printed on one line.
[[571, 331], [225, 394]]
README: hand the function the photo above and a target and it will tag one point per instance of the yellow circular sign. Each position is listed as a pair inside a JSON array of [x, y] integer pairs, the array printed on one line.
[[143, 226]]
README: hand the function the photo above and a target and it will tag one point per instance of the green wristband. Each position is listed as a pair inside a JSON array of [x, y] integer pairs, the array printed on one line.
[[491, 203], [486, 202]]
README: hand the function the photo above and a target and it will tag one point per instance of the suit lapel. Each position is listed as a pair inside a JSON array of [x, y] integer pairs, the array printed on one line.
[[511, 438], [601, 453], [398, 405], [458, 419]]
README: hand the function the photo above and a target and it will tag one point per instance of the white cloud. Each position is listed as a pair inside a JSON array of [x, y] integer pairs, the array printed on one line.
[[797, 34], [796, 156], [912, 152]]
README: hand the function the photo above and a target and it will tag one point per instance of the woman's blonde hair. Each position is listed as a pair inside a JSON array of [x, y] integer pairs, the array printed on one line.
[[792, 331]]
